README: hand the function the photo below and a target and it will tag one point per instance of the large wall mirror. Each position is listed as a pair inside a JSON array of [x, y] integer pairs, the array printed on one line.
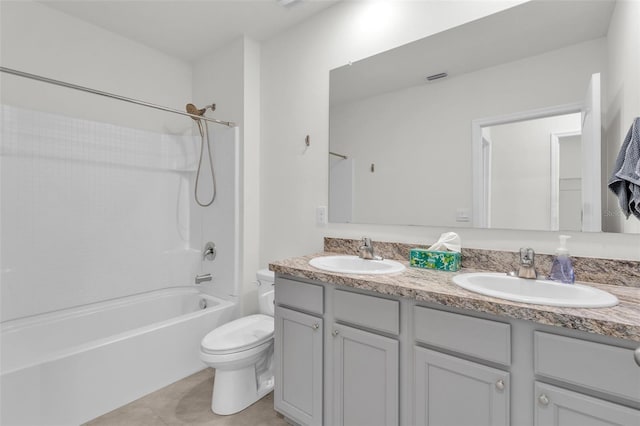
[[512, 121]]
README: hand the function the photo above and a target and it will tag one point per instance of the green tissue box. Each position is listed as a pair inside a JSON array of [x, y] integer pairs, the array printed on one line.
[[442, 260]]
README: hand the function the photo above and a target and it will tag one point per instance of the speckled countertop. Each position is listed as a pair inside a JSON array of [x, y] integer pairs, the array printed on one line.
[[621, 321]]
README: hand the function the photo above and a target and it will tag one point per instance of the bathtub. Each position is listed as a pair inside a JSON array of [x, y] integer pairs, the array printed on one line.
[[70, 366]]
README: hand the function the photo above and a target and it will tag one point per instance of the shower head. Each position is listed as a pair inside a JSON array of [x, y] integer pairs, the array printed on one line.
[[193, 110]]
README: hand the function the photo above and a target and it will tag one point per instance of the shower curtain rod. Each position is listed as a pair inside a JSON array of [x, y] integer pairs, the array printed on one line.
[[111, 95], [344, 157]]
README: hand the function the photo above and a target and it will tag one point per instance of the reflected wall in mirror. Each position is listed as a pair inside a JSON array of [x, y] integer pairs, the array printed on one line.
[[408, 145], [552, 199]]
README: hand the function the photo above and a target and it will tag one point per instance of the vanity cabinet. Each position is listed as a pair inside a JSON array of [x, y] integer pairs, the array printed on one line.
[[355, 340], [365, 362], [561, 407], [298, 352], [365, 378], [444, 382], [453, 391], [347, 357], [602, 369]]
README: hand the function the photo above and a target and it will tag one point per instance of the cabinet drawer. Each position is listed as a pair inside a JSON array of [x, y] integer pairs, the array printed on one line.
[[480, 338], [596, 366], [368, 311], [296, 294]]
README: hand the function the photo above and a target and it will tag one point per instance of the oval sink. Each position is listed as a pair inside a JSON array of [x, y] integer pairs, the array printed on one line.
[[537, 292], [356, 265]]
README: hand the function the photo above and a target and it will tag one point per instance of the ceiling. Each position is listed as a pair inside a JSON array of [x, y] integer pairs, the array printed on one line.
[[188, 29], [522, 31]]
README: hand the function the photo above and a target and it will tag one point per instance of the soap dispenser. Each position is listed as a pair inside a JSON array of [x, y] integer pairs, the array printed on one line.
[[562, 267]]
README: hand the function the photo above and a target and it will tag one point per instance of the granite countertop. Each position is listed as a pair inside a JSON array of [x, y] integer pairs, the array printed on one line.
[[621, 321]]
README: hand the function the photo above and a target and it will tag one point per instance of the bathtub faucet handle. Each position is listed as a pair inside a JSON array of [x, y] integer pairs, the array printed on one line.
[[209, 252], [203, 277]]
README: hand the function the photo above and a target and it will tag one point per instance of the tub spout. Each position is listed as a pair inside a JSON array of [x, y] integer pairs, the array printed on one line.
[[202, 278]]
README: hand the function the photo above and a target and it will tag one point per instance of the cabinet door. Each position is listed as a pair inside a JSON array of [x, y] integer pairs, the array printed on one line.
[[560, 407], [450, 391], [298, 366], [365, 378]]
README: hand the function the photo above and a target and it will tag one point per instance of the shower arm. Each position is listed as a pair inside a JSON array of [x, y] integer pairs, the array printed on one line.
[[111, 95]]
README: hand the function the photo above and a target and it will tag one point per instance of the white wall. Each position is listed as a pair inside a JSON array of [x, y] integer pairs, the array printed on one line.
[[622, 102], [92, 209], [41, 40], [295, 102], [407, 133]]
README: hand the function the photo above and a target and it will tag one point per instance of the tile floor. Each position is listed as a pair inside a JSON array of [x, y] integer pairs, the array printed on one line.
[[188, 402]]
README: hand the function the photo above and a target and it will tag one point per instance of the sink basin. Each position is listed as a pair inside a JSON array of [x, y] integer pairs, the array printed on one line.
[[538, 292], [356, 265]]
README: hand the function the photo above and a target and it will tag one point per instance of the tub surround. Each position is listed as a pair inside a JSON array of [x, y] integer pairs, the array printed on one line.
[[621, 321]]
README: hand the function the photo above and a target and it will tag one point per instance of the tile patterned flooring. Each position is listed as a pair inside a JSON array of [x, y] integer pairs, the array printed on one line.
[[188, 402]]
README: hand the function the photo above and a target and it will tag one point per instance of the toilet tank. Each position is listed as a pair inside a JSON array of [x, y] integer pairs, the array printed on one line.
[[266, 279]]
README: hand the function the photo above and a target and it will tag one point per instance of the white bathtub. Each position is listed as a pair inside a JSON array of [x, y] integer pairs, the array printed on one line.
[[69, 366]]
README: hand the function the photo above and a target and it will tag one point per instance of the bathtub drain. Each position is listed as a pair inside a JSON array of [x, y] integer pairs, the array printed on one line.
[[203, 304]]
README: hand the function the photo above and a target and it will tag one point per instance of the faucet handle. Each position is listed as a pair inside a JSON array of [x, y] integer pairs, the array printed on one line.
[[209, 252], [527, 256], [366, 241]]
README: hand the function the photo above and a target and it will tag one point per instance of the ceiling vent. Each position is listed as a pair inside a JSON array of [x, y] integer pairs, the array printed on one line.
[[437, 76]]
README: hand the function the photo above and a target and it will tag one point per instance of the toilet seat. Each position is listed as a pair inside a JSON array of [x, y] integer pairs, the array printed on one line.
[[239, 335]]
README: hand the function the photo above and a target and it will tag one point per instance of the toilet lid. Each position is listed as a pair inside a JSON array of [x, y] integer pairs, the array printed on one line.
[[238, 335]]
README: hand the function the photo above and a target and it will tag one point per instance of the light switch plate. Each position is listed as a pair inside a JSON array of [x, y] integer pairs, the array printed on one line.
[[321, 215]]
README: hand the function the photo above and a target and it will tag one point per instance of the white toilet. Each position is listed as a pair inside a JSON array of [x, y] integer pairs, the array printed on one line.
[[241, 351]]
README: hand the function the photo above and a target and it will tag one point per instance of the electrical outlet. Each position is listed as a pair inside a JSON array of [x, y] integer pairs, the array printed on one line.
[[321, 215], [463, 215]]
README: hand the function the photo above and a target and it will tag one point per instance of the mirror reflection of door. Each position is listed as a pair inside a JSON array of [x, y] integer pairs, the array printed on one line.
[[566, 181], [534, 175]]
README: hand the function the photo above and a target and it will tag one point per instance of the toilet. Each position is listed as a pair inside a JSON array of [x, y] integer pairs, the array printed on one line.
[[241, 351]]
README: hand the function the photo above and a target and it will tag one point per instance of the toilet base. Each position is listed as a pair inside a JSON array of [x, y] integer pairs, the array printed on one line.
[[235, 390]]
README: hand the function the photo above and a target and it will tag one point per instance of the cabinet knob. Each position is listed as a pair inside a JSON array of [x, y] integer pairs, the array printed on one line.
[[636, 355], [315, 326], [543, 399], [335, 333], [500, 384]]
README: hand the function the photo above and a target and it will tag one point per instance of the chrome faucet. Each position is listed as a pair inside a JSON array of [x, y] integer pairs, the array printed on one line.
[[366, 250], [202, 278], [527, 264]]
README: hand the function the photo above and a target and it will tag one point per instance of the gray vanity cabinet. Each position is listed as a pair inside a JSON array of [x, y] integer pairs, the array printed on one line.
[[604, 369], [451, 391], [298, 352], [561, 407], [348, 357], [365, 359], [365, 378]]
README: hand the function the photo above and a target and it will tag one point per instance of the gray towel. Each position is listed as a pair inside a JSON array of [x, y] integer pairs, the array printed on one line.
[[625, 181]]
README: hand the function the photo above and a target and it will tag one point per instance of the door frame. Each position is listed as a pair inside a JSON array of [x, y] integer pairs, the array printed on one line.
[[555, 175]]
